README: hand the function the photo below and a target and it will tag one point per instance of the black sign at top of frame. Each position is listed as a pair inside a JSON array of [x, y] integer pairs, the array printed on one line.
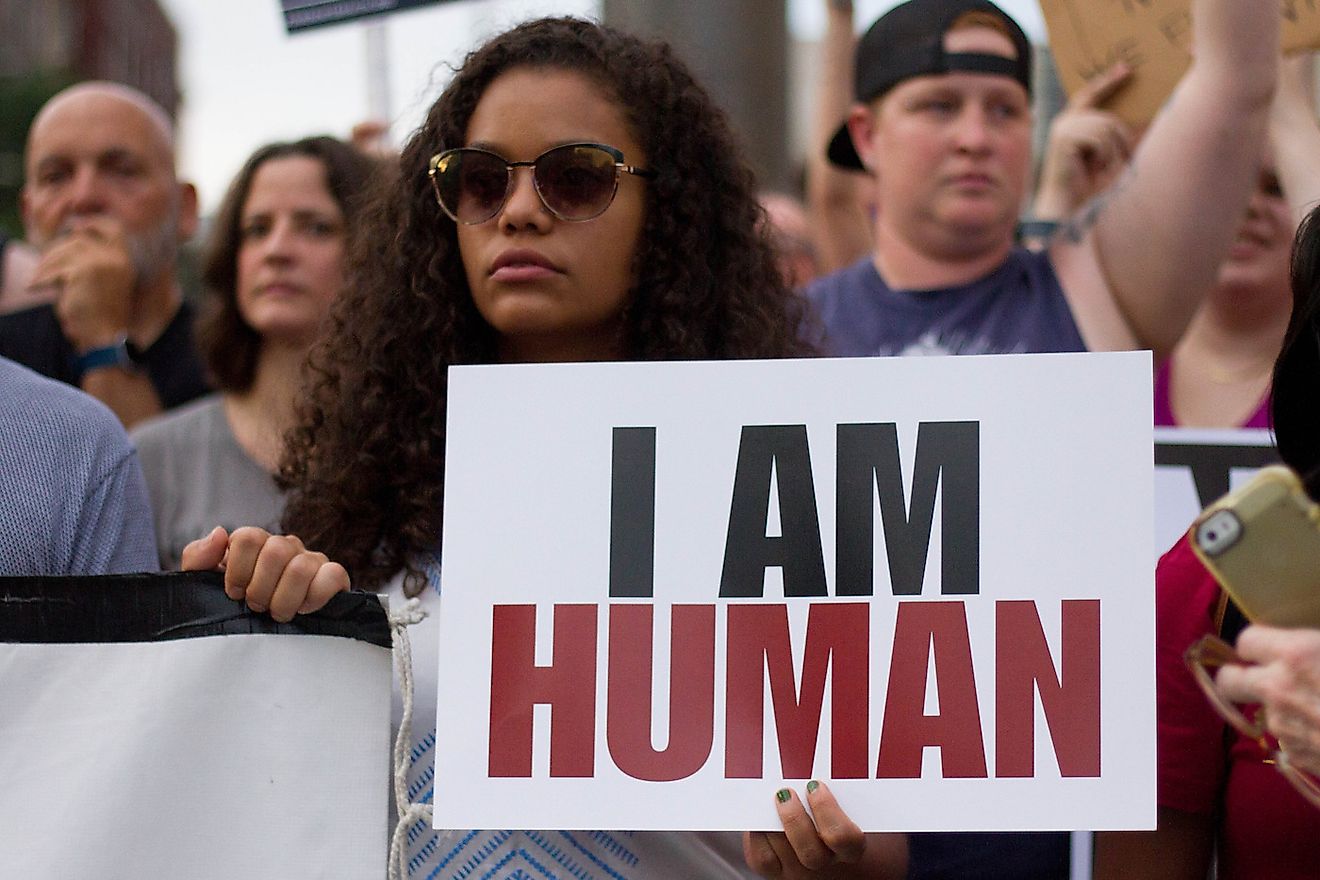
[[300, 15]]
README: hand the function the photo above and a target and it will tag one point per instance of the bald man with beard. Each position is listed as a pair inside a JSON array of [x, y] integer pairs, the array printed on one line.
[[102, 203]]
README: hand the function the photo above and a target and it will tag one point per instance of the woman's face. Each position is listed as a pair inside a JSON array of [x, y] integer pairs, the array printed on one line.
[[291, 250], [553, 290], [1258, 262]]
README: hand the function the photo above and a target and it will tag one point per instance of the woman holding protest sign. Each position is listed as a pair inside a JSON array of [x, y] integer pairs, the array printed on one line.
[[573, 195]]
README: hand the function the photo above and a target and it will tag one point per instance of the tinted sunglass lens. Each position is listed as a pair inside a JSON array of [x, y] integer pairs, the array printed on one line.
[[472, 184], [576, 182]]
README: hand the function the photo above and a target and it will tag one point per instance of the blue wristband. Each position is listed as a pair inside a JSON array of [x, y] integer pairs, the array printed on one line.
[[114, 355], [1037, 228]]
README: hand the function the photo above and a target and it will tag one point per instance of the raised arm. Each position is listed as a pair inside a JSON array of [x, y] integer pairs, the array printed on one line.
[[836, 199], [1295, 134], [1135, 268]]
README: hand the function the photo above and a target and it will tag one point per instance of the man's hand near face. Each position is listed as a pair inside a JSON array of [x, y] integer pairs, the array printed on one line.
[[92, 272], [91, 269]]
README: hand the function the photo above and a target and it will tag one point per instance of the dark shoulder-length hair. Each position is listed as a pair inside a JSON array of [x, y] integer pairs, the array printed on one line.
[[1295, 394], [366, 465], [228, 345]]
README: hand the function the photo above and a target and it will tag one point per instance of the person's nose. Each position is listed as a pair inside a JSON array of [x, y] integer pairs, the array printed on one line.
[[523, 209], [279, 242], [1258, 205], [972, 130], [86, 193]]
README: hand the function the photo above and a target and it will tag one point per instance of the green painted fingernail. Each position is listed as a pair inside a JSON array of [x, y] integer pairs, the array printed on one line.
[[783, 795], [812, 786]]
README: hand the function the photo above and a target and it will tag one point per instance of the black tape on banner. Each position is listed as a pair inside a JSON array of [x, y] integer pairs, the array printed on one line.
[[163, 607]]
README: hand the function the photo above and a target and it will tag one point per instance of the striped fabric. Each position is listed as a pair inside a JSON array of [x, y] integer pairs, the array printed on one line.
[[533, 855]]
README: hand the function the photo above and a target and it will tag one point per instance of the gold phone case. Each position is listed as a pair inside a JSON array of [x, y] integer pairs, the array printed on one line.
[[1262, 543]]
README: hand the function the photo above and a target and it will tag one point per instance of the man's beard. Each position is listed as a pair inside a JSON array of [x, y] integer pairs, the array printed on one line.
[[152, 252], [155, 251]]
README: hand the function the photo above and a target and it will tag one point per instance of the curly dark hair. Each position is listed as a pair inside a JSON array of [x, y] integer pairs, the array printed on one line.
[[366, 464], [1295, 388], [227, 344]]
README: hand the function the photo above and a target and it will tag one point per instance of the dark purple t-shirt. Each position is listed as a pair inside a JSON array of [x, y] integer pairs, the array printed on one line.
[[1017, 308]]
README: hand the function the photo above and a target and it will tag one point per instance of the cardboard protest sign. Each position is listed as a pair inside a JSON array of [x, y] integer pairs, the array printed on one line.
[[1153, 37], [1301, 24], [668, 589]]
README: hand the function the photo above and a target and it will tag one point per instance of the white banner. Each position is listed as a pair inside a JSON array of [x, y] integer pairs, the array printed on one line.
[[924, 580], [263, 757]]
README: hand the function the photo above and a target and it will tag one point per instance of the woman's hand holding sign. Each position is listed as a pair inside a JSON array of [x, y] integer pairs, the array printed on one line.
[[823, 844], [274, 573]]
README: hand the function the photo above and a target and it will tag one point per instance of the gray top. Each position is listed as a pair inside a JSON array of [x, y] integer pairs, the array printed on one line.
[[200, 478], [72, 500]]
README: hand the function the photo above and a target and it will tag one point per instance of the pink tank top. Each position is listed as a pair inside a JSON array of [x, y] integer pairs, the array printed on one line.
[[1164, 403]]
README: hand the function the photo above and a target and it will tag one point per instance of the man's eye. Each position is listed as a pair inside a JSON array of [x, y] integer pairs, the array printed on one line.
[[123, 169]]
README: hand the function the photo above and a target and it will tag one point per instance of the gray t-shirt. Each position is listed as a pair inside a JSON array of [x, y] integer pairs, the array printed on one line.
[[200, 478], [72, 500], [1017, 308]]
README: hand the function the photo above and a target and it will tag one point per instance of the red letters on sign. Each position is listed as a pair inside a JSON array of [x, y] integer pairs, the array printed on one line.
[[906, 729], [837, 640], [691, 692], [759, 649], [568, 685], [1071, 700]]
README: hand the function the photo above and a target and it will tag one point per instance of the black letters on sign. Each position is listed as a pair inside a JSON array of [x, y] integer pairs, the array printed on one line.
[[947, 467], [780, 450], [947, 462], [632, 514]]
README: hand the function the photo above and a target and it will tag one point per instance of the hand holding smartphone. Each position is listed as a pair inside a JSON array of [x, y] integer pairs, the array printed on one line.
[[1262, 543]]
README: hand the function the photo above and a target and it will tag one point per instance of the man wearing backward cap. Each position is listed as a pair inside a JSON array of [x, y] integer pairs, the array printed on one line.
[[942, 122]]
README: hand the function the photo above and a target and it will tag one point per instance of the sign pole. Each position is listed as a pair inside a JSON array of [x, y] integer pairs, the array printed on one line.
[[378, 71]]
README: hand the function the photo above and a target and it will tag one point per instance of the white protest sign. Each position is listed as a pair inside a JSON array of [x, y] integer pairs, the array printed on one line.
[[924, 580]]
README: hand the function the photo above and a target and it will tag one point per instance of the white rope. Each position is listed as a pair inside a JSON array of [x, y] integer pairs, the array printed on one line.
[[399, 840], [409, 813]]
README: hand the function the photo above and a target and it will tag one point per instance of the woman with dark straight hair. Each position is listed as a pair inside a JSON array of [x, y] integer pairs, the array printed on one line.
[[274, 265]]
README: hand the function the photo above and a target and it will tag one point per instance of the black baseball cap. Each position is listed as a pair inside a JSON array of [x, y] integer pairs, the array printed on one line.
[[908, 41]]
